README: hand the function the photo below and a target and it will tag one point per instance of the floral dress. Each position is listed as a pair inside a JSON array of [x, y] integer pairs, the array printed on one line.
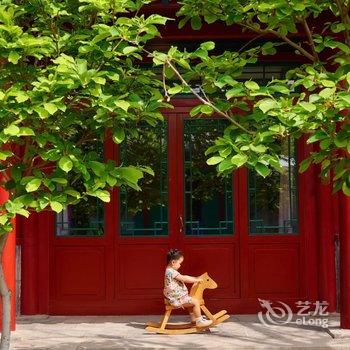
[[175, 291]]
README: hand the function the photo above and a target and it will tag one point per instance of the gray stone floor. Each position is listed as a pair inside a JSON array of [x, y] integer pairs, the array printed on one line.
[[126, 332]]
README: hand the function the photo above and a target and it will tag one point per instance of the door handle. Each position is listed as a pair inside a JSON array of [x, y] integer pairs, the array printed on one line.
[[181, 224]]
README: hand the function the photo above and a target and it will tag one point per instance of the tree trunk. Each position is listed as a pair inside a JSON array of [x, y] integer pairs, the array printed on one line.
[[6, 301]]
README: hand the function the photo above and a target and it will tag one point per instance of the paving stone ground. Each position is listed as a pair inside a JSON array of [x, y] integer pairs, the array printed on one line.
[[128, 332]]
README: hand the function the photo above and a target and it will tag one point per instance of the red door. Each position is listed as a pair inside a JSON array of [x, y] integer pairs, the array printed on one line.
[[208, 210], [217, 222]]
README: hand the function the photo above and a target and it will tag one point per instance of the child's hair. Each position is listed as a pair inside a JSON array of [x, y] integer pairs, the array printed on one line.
[[173, 254]]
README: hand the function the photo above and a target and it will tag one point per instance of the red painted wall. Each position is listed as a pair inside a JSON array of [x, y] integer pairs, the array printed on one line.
[[9, 266]]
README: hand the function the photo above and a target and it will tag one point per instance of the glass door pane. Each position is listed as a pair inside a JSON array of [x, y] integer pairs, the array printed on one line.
[[208, 197], [145, 212]]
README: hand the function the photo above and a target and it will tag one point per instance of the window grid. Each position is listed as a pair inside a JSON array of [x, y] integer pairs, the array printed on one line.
[[193, 128]]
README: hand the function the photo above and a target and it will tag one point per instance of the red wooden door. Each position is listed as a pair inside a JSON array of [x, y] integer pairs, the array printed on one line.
[[140, 257], [208, 210]]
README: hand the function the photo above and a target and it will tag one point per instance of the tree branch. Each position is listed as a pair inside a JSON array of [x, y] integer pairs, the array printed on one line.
[[311, 41], [283, 37], [207, 102], [344, 15]]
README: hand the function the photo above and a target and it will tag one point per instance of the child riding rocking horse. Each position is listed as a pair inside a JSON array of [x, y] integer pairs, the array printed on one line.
[[177, 296], [175, 290]]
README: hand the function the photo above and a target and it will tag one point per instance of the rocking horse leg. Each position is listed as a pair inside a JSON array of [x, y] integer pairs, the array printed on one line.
[[208, 313], [165, 319]]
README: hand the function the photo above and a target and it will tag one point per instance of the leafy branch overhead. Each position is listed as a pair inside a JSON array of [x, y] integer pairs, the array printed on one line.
[[70, 79], [312, 98]]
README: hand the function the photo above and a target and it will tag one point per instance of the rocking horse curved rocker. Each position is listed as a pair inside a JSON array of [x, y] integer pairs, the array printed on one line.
[[197, 289]]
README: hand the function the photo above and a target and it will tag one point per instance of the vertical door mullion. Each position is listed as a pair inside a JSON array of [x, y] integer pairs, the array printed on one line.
[[173, 180], [180, 181]]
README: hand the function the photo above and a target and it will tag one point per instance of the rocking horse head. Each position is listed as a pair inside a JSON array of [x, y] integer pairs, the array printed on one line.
[[206, 283]]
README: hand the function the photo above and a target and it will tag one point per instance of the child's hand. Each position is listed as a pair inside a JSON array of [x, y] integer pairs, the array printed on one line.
[[198, 279]]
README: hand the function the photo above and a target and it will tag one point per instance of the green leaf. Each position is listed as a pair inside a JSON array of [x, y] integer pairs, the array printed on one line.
[[132, 174], [50, 107], [327, 83], [208, 45], [317, 136], [5, 154], [206, 109], [258, 148], [72, 193], [251, 85], [210, 17], [118, 136], [43, 113], [12, 130], [346, 189], [196, 23], [99, 80], [14, 57], [102, 194], [60, 180], [262, 169], [65, 164], [33, 185], [124, 105], [129, 49], [148, 170], [340, 141], [324, 144], [3, 219], [114, 76], [183, 21], [308, 106], [97, 167], [26, 132], [195, 110], [21, 96], [23, 212], [304, 165], [239, 160], [327, 92], [214, 160], [16, 172], [267, 104], [225, 165], [56, 206], [268, 48], [234, 92], [175, 89]]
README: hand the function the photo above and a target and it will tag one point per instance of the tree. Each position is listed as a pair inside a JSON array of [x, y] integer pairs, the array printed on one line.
[[312, 99], [71, 74], [69, 80]]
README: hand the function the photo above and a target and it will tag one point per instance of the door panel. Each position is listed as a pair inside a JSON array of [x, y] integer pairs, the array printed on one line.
[[274, 270], [221, 261], [71, 282], [140, 270]]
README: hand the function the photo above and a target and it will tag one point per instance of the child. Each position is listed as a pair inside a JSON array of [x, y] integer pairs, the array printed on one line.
[[176, 292]]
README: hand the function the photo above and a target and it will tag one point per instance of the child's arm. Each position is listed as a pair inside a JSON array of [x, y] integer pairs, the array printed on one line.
[[187, 279]]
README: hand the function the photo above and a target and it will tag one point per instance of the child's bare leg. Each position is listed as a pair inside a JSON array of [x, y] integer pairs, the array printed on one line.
[[195, 307]]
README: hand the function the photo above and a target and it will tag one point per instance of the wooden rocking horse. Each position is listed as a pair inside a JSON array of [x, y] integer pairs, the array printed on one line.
[[185, 328]]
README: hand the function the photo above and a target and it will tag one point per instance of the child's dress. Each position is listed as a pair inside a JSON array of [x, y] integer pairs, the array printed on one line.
[[175, 291]]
